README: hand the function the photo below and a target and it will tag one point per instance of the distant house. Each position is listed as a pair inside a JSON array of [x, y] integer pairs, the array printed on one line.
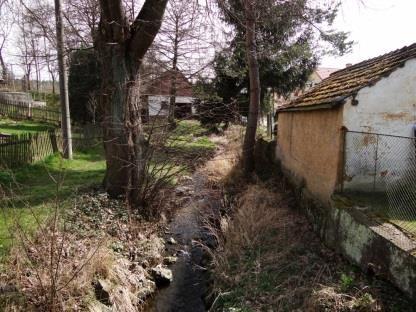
[[316, 77], [354, 130], [158, 94]]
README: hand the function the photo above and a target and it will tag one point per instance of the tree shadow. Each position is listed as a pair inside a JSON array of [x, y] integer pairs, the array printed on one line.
[[25, 127]]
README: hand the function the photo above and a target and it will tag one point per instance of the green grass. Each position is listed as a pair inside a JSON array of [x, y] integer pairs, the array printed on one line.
[[36, 192], [8, 126], [35, 189], [190, 137], [189, 128]]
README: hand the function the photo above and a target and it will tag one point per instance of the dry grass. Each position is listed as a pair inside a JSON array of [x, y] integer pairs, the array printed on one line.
[[253, 220], [269, 259], [54, 269], [58, 267], [225, 165]]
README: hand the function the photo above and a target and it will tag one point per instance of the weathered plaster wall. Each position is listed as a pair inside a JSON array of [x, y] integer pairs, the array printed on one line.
[[388, 107], [309, 146]]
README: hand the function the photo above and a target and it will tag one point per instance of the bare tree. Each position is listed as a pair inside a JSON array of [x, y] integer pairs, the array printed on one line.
[[82, 19], [122, 47], [25, 54], [6, 23], [176, 42]]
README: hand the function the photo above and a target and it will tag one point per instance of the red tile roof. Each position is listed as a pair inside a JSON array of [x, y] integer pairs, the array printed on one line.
[[161, 85], [348, 81]]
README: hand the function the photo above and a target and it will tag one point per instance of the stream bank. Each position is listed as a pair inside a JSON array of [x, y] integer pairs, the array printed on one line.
[[187, 239]]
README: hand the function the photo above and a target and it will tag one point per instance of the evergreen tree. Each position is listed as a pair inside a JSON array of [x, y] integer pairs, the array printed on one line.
[[84, 85]]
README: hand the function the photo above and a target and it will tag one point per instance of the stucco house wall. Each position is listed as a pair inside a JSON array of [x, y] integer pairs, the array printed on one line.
[[309, 147], [388, 107]]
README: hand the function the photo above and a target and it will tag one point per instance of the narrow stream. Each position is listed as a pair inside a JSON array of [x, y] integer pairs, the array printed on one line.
[[189, 286]]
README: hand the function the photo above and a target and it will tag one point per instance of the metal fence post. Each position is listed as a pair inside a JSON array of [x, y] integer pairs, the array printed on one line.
[[344, 157], [375, 164]]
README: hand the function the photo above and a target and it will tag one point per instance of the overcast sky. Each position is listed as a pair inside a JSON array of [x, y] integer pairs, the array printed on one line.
[[377, 27]]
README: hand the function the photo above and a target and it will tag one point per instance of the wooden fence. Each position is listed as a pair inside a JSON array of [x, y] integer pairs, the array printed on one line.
[[19, 150], [24, 110], [27, 148]]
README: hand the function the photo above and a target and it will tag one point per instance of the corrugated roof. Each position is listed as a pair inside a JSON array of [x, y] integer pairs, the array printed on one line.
[[348, 81]]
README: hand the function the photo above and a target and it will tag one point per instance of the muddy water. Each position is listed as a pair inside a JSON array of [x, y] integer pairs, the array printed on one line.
[[189, 286]]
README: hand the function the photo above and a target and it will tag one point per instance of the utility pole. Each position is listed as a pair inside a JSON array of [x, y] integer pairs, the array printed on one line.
[[63, 83]]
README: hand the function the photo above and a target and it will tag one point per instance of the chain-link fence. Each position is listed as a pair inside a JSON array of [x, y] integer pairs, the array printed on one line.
[[380, 170]]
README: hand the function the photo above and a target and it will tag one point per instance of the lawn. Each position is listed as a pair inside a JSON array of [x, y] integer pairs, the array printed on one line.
[[190, 139], [36, 190], [8, 126], [35, 186]]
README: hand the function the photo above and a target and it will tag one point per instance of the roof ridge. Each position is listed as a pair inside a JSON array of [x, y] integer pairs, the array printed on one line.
[[405, 48], [348, 81]]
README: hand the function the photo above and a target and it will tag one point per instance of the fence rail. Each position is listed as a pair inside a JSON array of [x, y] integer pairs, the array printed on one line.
[[19, 150], [381, 171], [24, 110]]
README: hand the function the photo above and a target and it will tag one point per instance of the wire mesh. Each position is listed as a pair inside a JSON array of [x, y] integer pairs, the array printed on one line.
[[381, 171]]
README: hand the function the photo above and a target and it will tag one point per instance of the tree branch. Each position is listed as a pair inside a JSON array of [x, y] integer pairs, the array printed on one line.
[[113, 19], [145, 28]]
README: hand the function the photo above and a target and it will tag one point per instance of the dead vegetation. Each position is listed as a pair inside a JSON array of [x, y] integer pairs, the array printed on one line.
[[99, 254], [100, 257], [269, 259], [224, 167]]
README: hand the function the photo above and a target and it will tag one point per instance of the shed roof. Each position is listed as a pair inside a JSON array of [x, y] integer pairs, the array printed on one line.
[[348, 81]]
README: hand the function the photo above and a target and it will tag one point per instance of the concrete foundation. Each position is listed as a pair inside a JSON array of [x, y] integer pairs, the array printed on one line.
[[379, 248]]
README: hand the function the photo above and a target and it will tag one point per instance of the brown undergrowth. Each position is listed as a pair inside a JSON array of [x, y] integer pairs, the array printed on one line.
[[95, 256], [93, 253], [269, 259]]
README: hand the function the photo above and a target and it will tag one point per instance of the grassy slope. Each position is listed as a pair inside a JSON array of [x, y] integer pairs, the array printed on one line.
[[8, 126], [36, 191], [34, 184]]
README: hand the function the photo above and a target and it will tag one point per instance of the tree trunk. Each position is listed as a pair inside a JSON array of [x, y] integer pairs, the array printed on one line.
[[53, 84], [173, 88], [63, 83], [123, 140], [35, 58], [4, 68], [251, 54], [28, 83], [121, 48]]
